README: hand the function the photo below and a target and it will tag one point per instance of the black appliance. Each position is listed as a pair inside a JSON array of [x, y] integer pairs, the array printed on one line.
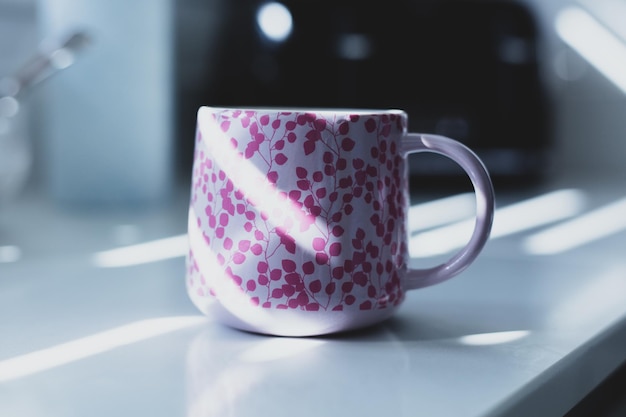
[[464, 69]]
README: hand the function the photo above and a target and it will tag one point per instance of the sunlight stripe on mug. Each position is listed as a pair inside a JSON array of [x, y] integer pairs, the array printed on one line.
[[534, 212], [597, 224], [259, 190]]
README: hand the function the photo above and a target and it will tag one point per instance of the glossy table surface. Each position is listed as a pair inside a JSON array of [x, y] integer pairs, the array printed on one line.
[[95, 321]]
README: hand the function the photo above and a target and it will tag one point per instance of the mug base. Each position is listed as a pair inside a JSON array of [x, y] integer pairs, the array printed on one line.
[[298, 323]]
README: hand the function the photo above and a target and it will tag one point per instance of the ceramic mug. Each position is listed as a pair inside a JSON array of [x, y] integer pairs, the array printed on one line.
[[297, 217]]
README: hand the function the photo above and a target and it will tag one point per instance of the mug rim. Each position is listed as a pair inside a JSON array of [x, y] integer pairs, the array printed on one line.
[[317, 110]]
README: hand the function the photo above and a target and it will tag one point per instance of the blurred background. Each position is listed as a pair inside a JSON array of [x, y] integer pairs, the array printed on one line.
[[537, 88]]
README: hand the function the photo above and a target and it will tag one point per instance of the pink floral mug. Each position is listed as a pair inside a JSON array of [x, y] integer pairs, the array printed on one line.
[[297, 217]]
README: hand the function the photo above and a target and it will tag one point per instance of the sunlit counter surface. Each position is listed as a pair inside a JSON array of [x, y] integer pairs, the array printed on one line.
[[95, 321]]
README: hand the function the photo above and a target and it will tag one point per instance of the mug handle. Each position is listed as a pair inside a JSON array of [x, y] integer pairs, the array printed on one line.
[[485, 204]]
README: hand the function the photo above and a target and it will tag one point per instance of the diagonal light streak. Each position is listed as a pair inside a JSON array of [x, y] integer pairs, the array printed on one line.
[[65, 353], [597, 224], [442, 211], [254, 184], [142, 253], [230, 296], [493, 338], [594, 42], [515, 218]]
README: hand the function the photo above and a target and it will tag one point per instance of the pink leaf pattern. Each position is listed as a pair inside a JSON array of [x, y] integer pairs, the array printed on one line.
[[318, 233]]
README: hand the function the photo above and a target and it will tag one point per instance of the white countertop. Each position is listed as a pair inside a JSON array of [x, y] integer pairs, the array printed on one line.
[[516, 334]]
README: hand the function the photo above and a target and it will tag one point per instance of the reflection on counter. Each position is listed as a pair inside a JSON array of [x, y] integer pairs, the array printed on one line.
[[233, 373]]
